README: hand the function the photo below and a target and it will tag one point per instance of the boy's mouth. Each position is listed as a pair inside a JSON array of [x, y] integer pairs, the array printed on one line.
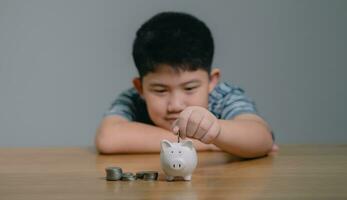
[[171, 120]]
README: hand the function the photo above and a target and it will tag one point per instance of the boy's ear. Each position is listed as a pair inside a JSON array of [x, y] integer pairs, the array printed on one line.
[[138, 85], [214, 79]]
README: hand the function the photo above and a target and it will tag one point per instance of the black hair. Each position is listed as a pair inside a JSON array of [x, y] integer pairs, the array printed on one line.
[[178, 39]]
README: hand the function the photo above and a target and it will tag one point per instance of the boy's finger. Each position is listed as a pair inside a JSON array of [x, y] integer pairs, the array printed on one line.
[[193, 123], [183, 121], [175, 130], [211, 134], [174, 127], [205, 125]]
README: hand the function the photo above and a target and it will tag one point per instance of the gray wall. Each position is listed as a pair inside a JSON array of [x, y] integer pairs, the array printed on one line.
[[63, 62]]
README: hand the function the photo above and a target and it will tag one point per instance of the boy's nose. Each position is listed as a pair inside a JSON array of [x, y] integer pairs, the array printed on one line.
[[175, 104]]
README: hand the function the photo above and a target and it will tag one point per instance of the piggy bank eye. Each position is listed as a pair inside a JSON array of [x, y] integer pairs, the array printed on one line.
[[171, 152], [180, 152]]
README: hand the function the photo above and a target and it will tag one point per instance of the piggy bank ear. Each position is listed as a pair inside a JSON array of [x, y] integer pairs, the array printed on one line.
[[188, 144], [165, 144]]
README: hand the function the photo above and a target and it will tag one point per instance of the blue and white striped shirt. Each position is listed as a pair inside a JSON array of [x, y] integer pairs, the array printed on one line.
[[226, 101]]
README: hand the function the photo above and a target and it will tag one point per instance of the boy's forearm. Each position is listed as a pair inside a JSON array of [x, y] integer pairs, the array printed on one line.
[[133, 137], [244, 138]]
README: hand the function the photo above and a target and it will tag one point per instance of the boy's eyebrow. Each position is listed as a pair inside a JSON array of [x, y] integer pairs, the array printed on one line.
[[191, 81], [184, 83]]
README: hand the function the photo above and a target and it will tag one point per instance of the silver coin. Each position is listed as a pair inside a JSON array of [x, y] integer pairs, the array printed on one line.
[[113, 173], [178, 137], [128, 176], [150, 176], [139, 175]]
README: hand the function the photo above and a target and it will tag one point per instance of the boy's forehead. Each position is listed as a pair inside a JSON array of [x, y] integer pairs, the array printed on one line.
[[167, 74]]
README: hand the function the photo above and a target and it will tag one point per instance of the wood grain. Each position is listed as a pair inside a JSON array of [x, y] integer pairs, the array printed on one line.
[[295, 172]]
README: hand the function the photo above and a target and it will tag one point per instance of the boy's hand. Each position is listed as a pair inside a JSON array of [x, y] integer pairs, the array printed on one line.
[[197, 122]]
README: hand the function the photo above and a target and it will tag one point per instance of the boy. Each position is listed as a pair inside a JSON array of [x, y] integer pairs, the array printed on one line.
[[178, 92]]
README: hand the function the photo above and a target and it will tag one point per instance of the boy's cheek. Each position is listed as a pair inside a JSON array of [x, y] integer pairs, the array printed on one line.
[[199, 100], [156, 109], [156, 103]]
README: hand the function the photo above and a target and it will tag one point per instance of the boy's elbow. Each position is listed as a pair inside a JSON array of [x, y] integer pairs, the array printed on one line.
[[265, 142], [106, 138], [104, 144], [263, 148], [266, 145]]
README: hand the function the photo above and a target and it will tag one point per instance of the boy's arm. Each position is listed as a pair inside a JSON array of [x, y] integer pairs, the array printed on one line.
[[118, 135], [247, 135]]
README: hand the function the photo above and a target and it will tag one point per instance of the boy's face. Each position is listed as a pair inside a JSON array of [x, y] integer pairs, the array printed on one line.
[[168, 92]]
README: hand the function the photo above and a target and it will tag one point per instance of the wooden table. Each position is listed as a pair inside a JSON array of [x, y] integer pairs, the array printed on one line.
[[295, 172]]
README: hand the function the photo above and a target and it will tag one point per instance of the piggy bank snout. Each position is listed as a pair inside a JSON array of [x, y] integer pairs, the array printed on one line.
[[177, 164]]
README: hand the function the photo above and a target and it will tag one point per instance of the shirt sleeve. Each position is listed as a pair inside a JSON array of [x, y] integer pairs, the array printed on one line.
[[235, 102], [124, 105]]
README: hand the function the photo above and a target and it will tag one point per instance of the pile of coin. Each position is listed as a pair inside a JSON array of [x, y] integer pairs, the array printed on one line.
[[116, 173], [147, 175], [128, 176], [113, 173]]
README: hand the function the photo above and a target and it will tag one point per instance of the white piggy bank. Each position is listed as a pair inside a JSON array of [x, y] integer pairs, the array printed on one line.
[[178, 159]]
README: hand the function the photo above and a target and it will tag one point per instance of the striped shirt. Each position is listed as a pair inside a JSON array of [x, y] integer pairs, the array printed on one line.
[[226, 101]]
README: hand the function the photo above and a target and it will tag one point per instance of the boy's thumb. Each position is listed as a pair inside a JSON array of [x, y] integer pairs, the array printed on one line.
[[175, 127]]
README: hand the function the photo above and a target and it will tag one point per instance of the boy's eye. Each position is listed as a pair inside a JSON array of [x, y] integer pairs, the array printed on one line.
[[190, 88], [159, 91]]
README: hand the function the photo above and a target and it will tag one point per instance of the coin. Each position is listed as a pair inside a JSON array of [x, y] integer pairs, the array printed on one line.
[[178, 137], [147, 175], [150, 176], [116, 173], [128, 176], [113, 173], [139, 175]]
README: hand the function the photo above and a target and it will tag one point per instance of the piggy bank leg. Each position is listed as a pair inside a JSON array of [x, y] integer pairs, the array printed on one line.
[[187, 178], [170, 178]]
